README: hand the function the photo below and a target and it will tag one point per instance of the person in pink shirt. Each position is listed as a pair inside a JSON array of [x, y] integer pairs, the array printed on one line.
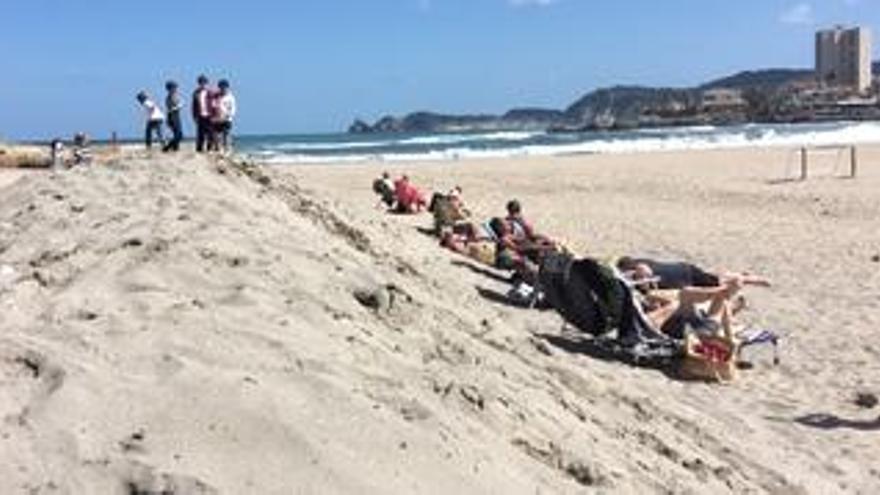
[[409, 198], [201, 114]]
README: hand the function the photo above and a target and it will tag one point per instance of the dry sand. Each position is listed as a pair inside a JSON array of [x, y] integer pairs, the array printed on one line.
[[200, 328]]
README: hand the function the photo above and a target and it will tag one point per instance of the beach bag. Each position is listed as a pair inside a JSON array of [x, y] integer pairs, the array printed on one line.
[[709, 358], [484, 252]]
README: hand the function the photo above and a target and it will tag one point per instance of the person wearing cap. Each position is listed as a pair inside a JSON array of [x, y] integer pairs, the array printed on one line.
[[173, 106], [224, 113], [155, 119], [201, 113]]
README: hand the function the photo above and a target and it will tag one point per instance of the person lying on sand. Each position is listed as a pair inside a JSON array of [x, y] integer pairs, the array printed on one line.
[[521, 227], [448, 210], [409, 198], [471, 240], [384, 187], [477, 242], [678, 275], [673, 315]]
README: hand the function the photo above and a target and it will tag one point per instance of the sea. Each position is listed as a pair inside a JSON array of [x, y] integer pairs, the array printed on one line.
[[358, 148]]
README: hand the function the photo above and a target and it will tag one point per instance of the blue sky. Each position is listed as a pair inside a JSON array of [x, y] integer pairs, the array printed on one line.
[[314, 65]]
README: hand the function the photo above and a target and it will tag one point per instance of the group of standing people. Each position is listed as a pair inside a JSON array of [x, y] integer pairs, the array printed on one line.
[[213, 112]]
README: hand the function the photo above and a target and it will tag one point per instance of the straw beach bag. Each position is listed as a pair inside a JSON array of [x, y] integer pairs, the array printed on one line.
[[483, 251], [709, 358]]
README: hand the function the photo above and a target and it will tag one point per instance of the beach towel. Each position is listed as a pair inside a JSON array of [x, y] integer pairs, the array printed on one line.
[[757, 336]]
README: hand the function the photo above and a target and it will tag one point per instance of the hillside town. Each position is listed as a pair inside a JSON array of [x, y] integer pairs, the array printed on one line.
[[841, 86]]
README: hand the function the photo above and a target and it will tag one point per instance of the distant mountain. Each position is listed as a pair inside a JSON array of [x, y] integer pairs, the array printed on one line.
[[619, 106], [517, 119], [628, 102], [760, 78]]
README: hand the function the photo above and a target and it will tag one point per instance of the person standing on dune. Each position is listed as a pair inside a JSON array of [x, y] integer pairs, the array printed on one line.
[[173, 106], [225, 113], [201, 113], [155, 119]]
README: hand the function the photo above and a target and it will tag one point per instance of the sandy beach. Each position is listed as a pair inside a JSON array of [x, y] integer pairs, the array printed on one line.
[[196, 327]]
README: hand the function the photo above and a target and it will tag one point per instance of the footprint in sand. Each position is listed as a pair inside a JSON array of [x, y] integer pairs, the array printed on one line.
[[137, 478], [35, 379]]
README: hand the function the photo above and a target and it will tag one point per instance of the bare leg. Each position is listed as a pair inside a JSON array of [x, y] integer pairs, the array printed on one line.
[[659, 316], [691, 296], [746, 278]]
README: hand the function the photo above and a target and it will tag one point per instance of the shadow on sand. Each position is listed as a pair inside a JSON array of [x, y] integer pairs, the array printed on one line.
[[825, 421], [429, 232], [783, 180], [577, 344], [484, 271]]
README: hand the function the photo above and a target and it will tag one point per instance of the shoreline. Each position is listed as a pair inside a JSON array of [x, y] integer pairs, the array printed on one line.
[[391, 148]]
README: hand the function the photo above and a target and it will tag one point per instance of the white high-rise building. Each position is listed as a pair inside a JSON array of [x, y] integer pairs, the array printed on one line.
[[843, 57]]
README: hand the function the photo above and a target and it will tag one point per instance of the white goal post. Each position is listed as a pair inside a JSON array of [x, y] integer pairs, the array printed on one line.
[[840, 148]]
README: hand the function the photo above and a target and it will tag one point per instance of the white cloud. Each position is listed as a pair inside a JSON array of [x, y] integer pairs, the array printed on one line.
[[800, 14], [529, 3]]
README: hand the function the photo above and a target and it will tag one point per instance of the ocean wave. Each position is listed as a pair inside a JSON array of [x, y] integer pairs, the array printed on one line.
[[438, 140], [454, 147], [463, 138]]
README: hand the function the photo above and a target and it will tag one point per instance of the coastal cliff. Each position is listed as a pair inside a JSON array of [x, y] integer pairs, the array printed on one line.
[[517, 119], [619, 107]]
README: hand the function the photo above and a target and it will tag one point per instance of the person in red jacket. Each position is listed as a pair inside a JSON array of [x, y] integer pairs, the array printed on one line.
[[409, 198]]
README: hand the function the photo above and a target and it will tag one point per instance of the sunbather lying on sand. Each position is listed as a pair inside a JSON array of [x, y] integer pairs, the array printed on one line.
[[492, 243], [672, 315], [384, 187], [448, 209], [678, 275], [409, 198], [522, 228]]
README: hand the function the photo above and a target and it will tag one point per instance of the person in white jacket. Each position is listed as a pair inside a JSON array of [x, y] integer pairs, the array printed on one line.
[[155, 119], [224, 114]]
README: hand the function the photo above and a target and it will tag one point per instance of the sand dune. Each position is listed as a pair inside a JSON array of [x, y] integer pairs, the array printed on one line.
[[200, 327]]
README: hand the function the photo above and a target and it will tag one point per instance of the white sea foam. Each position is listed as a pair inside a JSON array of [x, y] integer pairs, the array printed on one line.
[[428, 140], [463, 138], [470, 146]]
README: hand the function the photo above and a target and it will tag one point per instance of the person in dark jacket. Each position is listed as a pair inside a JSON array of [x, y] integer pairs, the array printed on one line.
[[201, 113], [679, 275], [173, 106]]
